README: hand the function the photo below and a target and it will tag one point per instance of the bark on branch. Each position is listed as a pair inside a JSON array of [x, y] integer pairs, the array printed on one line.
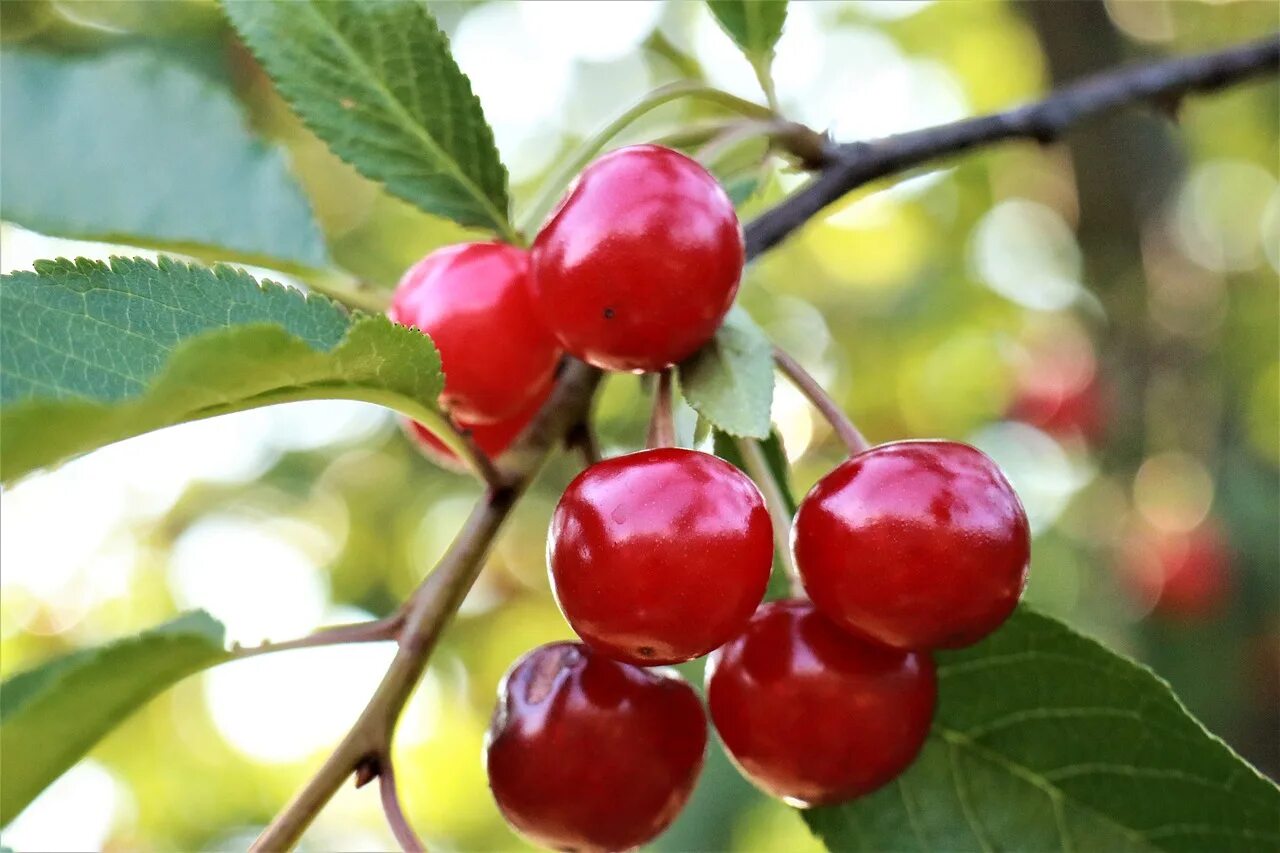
[[1162, 84]]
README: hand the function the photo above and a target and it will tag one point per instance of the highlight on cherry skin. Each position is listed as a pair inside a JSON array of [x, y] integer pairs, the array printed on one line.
[[492, 439], [586, 753], [472, 299], [914, 544], [638, 265], [814, 715], [659, 556]]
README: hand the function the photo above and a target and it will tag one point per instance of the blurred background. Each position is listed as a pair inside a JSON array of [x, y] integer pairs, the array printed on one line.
[[1101, 317]]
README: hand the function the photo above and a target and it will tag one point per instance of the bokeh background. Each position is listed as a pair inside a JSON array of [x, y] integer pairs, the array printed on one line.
[[1101, 317]]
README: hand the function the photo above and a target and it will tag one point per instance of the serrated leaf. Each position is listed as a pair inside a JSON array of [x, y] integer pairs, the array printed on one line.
[[1045, 740], [91, 353], [755, 26], [726, 447], [51, 715], [730, 380], [129, 147], [376, 81]]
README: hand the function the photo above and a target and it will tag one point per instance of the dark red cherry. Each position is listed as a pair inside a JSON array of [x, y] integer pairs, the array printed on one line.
[[586, 753], [472, 299], [492, 439], [915, 544], [640, 262], [814, 715], [659, 556]]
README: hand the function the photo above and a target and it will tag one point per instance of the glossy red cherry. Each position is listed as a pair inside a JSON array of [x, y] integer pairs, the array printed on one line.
[[814, 715], [659, 556], [640, 262], [473, 300], [492, 439], [586, 753], [915, 544]]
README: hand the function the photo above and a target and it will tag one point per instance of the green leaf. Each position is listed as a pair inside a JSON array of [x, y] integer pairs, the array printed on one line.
[[91, 353], [755, 25], [1045, 740], [376, 81], [51, 715], [775, 456], [128, 147], [730, 380]]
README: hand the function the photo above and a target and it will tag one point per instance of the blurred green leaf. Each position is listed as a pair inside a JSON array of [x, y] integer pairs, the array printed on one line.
[[376, 81], [129, 147], [755, 26], [730, 380], [51, 715], [91, 353], [726, 447], [1045, 740]]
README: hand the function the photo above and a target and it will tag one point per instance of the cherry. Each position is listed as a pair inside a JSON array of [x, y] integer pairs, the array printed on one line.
[[586, 753], [812, 714], [472, 299], [915, 544], [640, 262], [492, 439], [659, 556]]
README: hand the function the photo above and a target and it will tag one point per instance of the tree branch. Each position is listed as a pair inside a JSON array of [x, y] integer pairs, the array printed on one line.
[[851, 165]]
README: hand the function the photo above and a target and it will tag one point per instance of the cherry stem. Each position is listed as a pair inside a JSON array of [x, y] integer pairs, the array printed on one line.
[[662, 424], [378, 630], [476, 459], [779, 513], [583, 437], [400, 828], [821, 400]]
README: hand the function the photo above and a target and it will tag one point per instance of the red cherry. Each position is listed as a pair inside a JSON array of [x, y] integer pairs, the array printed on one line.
[[492, 439], [659, 556], [473, 300], [586, 753], [814, 715], [640, 262], [915, 544]]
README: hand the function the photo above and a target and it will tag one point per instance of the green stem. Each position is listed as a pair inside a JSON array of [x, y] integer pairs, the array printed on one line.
[[779, 513], [552, 189]]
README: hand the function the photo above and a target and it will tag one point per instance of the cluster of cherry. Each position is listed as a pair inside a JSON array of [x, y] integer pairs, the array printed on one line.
[[663, 556]]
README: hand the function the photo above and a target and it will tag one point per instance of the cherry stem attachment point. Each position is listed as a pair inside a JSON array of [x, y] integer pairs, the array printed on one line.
[[662, 424], [400, 828], [821, 400]]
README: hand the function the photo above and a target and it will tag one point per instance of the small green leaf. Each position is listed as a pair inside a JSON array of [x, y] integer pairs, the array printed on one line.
[[726, 447], [91, 353], [376, 81], [730, 380], [1045, 740], [50, 716], [128, 147], [755, 26]]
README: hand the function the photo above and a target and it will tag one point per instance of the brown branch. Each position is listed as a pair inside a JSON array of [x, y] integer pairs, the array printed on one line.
[[852, 165]]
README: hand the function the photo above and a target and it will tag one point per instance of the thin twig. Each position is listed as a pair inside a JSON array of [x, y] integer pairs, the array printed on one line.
[[431, 607], [400, 828], [779, 512], [851, 165], [821, 400], [475, 458], [662, 423], [378, 630], [582, 436]]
